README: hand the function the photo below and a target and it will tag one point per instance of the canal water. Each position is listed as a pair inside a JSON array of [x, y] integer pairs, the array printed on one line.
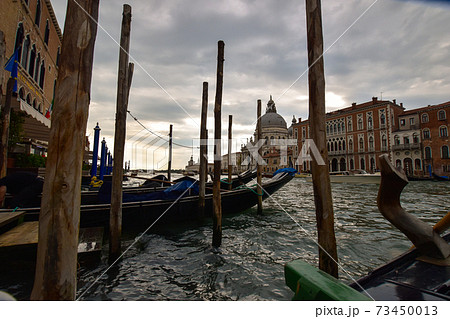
[[178, 263]]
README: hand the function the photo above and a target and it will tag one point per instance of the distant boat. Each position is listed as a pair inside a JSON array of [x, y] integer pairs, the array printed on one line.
[[357, 177], [440, 178]]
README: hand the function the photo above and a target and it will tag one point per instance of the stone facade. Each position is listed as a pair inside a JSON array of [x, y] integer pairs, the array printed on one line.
[[30, 26]]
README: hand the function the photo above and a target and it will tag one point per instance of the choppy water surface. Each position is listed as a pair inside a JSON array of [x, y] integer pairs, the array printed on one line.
[[178, 263]]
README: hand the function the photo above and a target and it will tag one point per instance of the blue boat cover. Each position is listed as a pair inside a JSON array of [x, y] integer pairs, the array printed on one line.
[[171, 193], [289, 170]]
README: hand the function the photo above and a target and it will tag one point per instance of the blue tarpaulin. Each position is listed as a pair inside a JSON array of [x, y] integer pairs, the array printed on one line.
[[290, 170], [171, 193]]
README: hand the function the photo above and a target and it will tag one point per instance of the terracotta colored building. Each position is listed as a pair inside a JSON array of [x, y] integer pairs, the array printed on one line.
[[356, 135], [31, 28], [434, 127]]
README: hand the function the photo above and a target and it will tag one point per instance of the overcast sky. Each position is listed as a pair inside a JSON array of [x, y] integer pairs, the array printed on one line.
[[387, 48]]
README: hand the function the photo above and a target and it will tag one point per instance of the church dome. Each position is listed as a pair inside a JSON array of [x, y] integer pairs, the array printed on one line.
[[272, 118]]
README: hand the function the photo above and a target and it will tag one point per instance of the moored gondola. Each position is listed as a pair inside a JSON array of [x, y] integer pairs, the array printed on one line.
[[140, 214]]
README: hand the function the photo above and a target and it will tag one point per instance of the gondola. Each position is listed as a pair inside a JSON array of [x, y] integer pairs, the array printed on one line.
[[408, 277], [440, 178], [419, 274], [141, 214]]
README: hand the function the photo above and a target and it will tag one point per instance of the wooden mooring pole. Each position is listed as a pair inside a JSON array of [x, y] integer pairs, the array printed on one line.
[[169, 164], [203, 152], [5, 120], [123, 89], [56, 265], [258, 166], [217, 204], [320, 174], [230, 136]]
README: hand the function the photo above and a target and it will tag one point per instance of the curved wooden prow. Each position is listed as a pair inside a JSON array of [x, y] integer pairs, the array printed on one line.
[[422, 235]]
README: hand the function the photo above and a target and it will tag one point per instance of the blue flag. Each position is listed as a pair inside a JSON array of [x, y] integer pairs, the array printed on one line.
[[11, 66]]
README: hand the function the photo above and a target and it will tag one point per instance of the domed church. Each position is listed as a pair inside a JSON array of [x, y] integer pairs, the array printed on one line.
[[273, 125]]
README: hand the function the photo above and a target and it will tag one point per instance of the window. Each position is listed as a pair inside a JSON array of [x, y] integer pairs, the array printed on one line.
[[42, 75], [383, 142], [443, 131], [47, 33], [402, 122], [445, 153], [369, 123], [19, 39], [350, 145], [426, 133], [441, 115], [417, 164], [425, 118], [295, 133], [339, 128], [37, 19], [398, 163], [396, 140], [343, 145], [349, 125], [340, 145], [371, 144], [36, 70], [58, 53], [382, 119], [415, 138], [411, 121], [406, 140], [328, 129], [361, 144], [32, 61], [427, 152], [25, 51], [363, 164], [360, 124], [335, 128]]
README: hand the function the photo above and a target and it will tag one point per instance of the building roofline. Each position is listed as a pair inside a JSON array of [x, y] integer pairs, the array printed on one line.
[[54, 20]]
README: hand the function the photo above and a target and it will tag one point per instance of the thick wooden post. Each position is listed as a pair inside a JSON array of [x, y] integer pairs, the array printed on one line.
[[230, 167], [56, 265], [123, 88], [2, 63], [169, 164], [258, 166], [217, 204], [5, 119], [203, 152], [320, 173]]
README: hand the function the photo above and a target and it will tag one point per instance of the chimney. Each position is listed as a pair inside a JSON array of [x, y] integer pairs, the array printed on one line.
[[401, 105], [374, 99], [394, 101], [353, 104]]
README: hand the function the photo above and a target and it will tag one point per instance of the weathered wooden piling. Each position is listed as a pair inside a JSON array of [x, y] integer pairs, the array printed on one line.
[[258, 166], [230, 141], [123, 88], [320, 174], [217, 205], [5, 119], [169, 164], [56, 265], [203, 152]]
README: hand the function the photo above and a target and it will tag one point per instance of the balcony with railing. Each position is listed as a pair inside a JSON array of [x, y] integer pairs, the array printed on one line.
[[409, 146]]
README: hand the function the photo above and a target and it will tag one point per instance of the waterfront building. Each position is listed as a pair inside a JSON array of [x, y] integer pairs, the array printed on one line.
[[406, 144], [30, 28], [273, 131], [434, 127], [356, 135]]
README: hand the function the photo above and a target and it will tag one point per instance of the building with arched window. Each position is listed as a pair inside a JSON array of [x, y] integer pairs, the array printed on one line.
[[31, 28], [356, 135]]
